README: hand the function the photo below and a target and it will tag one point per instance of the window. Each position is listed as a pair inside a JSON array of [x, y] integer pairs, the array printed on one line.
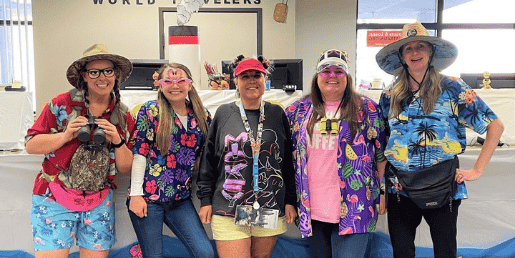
[[483, 31], [16, 43]]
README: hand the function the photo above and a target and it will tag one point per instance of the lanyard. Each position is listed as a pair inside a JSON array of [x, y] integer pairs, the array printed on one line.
[[254, 143]]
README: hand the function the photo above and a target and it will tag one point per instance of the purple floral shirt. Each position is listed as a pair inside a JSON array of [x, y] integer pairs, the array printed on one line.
[[167, 177], [359, 182]]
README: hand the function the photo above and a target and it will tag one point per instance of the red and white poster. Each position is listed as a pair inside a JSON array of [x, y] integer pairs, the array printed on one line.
[[381, 38]]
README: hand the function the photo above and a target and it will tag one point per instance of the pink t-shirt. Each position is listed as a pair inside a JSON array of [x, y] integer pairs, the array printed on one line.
[[323, 180]]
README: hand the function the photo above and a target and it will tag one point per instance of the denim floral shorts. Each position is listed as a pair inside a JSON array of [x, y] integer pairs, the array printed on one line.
[[55, 227]]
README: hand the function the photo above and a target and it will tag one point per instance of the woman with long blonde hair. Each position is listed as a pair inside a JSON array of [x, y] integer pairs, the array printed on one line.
[[427, 113], [168, 137]]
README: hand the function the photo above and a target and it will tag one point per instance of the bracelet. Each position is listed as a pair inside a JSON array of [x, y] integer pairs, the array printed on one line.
[[116, 146], [381, 192]]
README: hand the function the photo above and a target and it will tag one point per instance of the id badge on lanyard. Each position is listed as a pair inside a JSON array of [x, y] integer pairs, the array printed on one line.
[[255, 215]]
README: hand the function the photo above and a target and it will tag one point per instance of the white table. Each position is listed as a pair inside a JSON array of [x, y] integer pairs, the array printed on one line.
[[16, 117], [485, 220]]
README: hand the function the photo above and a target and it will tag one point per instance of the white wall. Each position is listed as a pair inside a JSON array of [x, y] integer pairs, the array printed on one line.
[[322, 25], [63, 29]]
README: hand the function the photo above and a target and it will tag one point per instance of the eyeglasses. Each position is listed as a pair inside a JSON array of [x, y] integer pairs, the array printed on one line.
[[332, 70], [95, 73], [180, 82]]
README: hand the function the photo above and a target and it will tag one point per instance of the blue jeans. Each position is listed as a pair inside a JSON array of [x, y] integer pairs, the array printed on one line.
[[184, 222], [326, 243]]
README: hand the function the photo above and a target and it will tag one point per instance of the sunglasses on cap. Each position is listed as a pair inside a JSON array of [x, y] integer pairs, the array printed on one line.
[[333, 53], [333, 57]]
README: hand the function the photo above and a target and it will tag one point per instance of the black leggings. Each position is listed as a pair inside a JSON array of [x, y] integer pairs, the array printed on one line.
[[404, 218]]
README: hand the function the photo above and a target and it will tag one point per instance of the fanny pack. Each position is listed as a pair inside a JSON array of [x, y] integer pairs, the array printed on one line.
[[77, 200], [84, 186], [432, 187]]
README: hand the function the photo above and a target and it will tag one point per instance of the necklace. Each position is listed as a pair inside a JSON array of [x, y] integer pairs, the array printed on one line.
[[256, 146]]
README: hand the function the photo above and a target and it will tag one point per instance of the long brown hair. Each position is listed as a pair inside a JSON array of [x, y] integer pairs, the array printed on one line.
[[429, 91], [350, 104], [165, 127]]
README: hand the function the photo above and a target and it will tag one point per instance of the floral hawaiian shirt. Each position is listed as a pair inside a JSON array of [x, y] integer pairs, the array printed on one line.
[[419, 141], [54, 118], [359, 182], [167, 177]]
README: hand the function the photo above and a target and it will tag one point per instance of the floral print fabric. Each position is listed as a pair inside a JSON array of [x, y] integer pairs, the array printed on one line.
[[359, 182], [56, 227], [54, 118], [167, 177]]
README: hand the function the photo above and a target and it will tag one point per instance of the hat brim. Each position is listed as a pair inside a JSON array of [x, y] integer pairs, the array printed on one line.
[[332, 61], [263, 71], [445, 54], [124, 64]]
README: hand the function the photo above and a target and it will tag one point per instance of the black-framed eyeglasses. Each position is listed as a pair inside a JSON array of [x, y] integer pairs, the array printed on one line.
[[95, 73]]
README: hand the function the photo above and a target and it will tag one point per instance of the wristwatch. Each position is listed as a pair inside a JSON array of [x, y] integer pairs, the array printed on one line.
[[116, 146]]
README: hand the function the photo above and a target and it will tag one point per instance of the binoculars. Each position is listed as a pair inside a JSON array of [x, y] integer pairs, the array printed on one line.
[[84, 133]]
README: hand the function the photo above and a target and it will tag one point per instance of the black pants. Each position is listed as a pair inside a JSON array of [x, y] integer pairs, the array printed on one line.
[[404, 218]]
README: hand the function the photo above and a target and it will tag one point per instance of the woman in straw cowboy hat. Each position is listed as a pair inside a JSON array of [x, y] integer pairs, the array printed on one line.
[[338, 139], [66, 204], [427, 114]]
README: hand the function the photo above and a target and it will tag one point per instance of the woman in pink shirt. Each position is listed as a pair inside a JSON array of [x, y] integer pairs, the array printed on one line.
[[338, 136]]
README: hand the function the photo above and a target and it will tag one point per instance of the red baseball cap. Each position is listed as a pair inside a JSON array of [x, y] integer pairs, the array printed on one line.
[[249, 64]]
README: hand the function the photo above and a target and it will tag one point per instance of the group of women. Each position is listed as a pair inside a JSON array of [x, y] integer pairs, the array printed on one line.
[[332, 161]]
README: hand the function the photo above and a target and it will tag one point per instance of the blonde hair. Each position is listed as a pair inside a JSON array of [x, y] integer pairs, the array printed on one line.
[[165, 127], [429, 92]]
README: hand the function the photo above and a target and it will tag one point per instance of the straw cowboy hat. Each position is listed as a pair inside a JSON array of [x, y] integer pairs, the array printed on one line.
[[98, 52], [389, 57]]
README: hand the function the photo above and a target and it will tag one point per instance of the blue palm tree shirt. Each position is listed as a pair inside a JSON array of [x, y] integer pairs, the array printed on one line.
[[419, 140]]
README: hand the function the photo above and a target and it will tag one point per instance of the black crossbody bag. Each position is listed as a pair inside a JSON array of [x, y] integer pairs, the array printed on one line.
[[432, 187]]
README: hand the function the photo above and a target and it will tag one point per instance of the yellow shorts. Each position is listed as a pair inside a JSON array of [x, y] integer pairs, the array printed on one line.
[[224, 229]]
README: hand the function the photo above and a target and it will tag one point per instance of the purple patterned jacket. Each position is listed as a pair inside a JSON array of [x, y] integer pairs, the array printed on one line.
[[359, 182]]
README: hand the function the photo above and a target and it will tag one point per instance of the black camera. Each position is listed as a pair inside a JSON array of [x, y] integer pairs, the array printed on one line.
[[84, 133]]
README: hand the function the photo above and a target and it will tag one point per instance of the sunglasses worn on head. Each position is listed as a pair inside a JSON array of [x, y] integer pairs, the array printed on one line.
[[334, 53], [180, 82], [95, 73]]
